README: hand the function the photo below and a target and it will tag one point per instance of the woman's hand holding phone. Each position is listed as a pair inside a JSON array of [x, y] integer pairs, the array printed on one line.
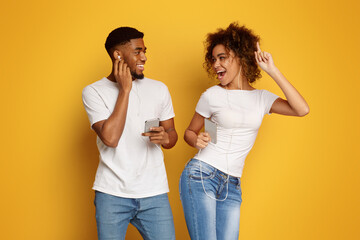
[[202, 140]]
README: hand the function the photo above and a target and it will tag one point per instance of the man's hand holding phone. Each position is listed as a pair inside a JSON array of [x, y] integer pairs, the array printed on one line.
[[157, 135], [122, 74]]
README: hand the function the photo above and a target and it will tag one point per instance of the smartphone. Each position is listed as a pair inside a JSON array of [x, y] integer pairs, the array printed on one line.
[[151, 123], [211, 128]]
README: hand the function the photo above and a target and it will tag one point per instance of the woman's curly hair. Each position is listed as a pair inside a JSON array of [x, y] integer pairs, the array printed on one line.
[[239, 39]]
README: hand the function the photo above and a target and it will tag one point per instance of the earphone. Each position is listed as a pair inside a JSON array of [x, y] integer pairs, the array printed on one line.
[[119, 57], [229, 147], [226, 157], [227, 184]]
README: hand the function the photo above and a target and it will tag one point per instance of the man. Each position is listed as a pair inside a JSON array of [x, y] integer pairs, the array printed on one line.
[[130, 184]]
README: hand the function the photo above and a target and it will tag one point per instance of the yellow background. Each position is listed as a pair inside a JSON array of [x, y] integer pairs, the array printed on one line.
[[301, 180]]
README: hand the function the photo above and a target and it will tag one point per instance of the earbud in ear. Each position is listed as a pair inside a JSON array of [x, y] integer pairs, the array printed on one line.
[[119, 58]]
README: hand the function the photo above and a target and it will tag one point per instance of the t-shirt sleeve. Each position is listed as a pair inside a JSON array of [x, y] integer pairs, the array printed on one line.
[[94, 105], [167, 107], [268, 99], [203, 106]]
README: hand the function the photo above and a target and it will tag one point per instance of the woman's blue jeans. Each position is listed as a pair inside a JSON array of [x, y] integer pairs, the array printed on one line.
[[152, 216], [207, 218]]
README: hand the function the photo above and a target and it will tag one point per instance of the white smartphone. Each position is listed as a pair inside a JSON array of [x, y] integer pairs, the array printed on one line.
[[151, 123], [211, 128]]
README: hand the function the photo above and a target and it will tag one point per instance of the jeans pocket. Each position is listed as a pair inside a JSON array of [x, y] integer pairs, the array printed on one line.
[[199, 170]]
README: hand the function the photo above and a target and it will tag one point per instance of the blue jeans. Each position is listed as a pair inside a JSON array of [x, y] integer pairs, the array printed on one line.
[[152, 216], [211, 205]]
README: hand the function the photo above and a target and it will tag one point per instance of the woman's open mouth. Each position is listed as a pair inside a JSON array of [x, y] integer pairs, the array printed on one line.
[[220, 74]]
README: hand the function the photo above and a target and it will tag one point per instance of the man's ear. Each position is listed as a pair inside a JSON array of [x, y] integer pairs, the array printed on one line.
[[117, 54]]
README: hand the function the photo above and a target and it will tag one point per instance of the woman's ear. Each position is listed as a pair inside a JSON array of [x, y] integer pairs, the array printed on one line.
[[238, 61]]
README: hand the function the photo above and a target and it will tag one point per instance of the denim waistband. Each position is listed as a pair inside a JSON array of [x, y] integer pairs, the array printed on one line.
[[194, 162]]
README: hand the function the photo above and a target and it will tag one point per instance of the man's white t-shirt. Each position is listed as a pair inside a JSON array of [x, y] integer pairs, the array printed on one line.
[[135, 168], [239, 114]]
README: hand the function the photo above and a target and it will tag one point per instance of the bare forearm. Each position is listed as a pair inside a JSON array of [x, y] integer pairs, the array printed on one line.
[[190, 137], [113, 127], [173, 137], [295, 104], [294, 98]]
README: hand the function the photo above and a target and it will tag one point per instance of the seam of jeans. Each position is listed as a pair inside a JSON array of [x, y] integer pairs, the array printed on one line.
[[180, 185], [187, 176], [142, 231], [221, 186], [193, 212]]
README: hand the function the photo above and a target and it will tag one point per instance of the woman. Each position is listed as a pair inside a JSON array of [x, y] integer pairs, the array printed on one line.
[[210, 183]]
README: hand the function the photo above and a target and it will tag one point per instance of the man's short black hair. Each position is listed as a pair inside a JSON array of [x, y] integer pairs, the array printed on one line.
[[121, 35]]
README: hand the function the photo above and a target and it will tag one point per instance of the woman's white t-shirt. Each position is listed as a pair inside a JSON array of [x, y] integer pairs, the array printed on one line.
[[239, 114]]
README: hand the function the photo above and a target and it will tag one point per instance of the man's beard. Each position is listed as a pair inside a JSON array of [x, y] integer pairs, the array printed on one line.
[[137, 76]]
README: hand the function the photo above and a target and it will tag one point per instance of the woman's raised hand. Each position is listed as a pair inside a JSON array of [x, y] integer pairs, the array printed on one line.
[[264, 60]]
